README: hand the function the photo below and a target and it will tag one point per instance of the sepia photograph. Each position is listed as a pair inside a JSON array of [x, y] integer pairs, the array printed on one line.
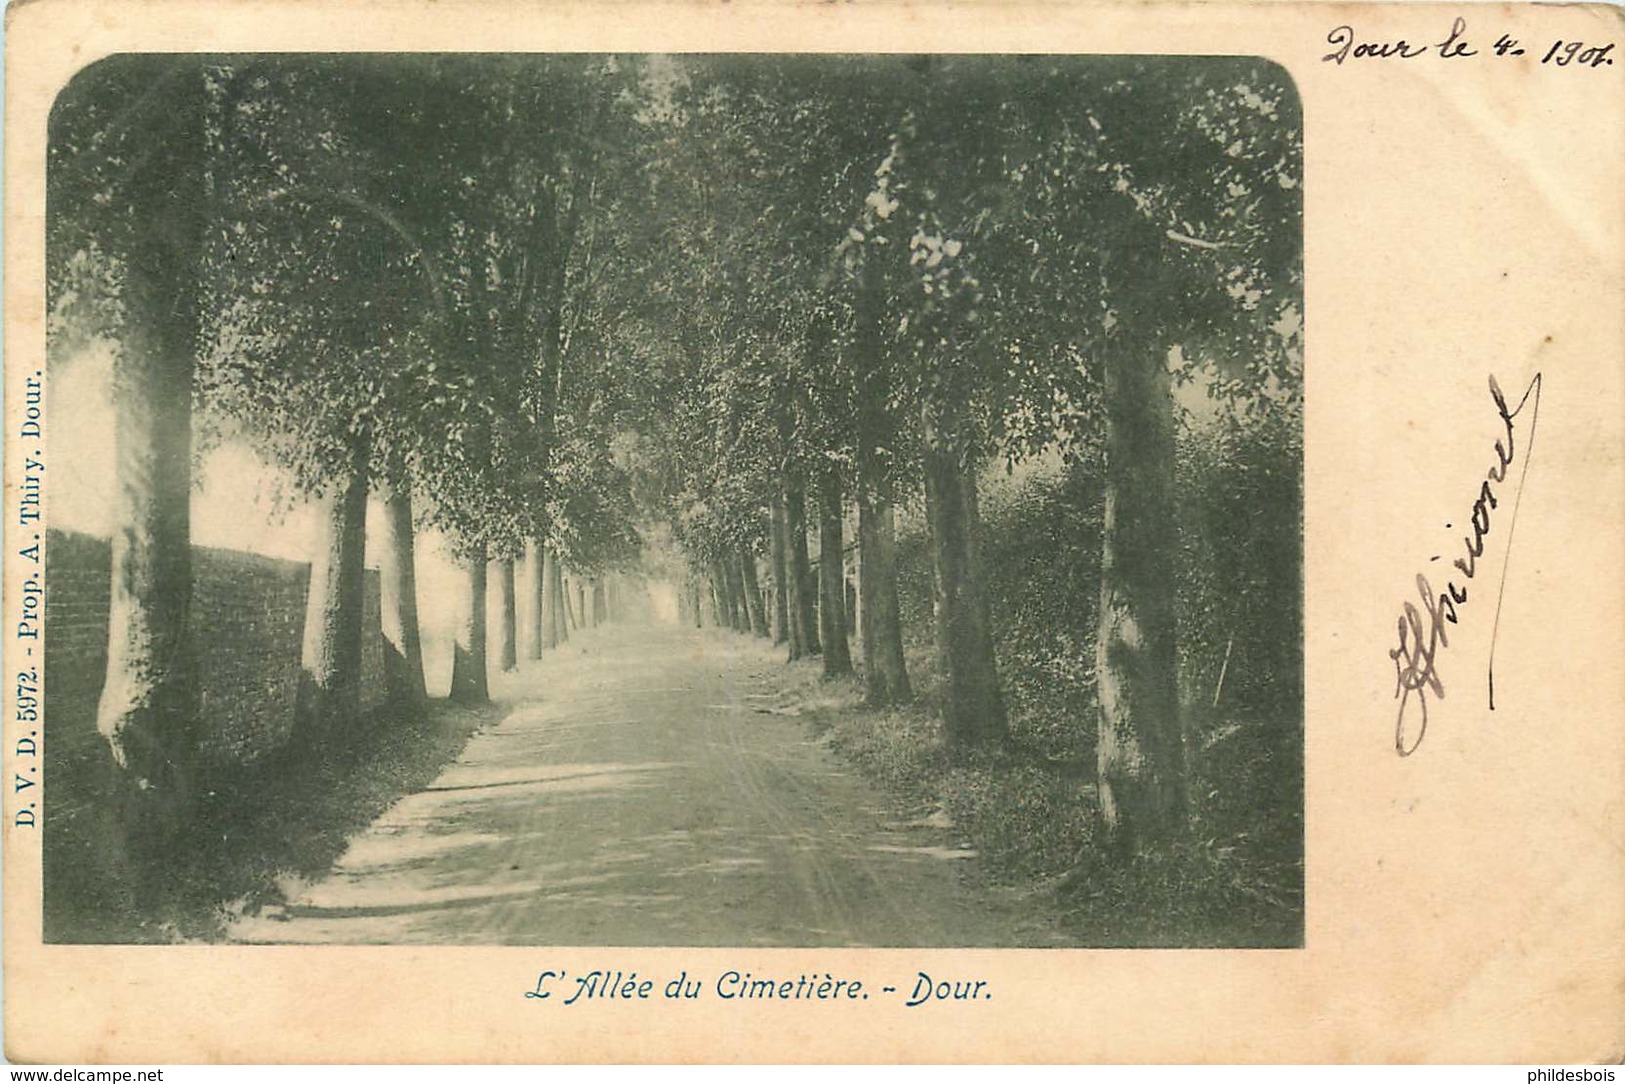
[[788, 500]]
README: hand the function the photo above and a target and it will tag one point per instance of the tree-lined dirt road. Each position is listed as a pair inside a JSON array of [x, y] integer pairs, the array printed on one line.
[[648, 786]]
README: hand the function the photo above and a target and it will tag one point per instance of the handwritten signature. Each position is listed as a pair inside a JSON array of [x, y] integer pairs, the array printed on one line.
[[1422, 630]]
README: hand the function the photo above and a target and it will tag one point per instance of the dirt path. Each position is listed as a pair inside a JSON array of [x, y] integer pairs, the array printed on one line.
[[640, 791]]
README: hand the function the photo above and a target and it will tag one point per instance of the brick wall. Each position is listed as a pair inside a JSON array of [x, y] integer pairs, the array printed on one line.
[[249, 615], [76, 589]]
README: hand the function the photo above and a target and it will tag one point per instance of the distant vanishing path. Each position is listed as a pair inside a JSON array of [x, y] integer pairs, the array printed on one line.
[[638, 792]]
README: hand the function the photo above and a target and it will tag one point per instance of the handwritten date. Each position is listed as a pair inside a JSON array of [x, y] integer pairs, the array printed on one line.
[[1347, 45]]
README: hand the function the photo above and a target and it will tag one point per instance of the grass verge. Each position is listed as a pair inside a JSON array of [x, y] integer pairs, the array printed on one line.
[[1234, 880], [285, 816]]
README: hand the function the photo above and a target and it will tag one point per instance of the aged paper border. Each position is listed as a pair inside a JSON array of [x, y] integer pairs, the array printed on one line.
[[1463, 218]]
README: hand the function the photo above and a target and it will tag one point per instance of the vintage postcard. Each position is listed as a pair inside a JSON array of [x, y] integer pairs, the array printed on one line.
[[903, 532]]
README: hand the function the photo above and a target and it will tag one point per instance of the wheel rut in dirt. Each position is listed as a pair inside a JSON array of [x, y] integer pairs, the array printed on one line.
[[644, 786]]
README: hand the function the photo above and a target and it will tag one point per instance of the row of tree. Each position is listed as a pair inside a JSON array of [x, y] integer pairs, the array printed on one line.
[[876, 275], [540, 303], [371, 270]]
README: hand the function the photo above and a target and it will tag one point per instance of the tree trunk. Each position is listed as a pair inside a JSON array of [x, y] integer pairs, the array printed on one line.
[[539, 630], [713, 596], [398, 602], [753, 592], [468, 678], [1140, 744], [973, 706], [849, 594], [331, 658], [600, 609], [741, 616], [725, 596], [832, 579], [750, 590], [885, 672], [803, 602], [736, 600], [149, 700], [795, 628], [543, 570], [507, 617], [725, 590], [777, 557], [854, 585], [736, 587], [561, 607]]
